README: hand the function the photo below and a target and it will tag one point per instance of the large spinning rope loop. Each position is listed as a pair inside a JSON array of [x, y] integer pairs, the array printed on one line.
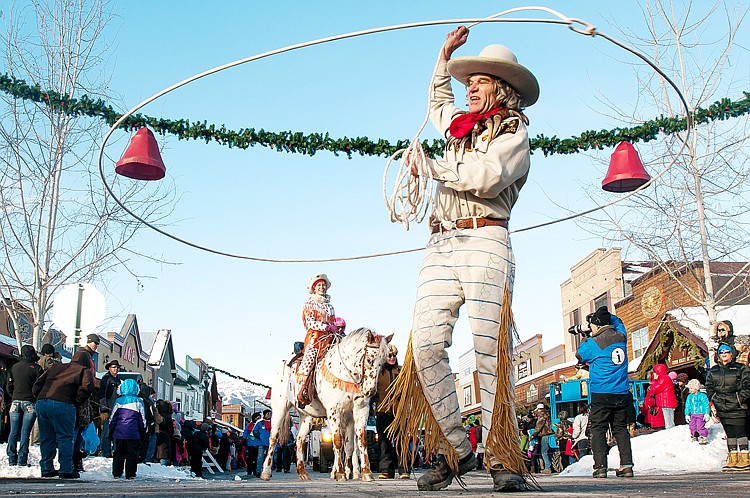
[[411, 198]]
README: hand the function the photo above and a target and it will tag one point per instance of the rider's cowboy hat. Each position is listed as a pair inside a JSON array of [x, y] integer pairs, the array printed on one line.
[[499, 61], [321, 276]]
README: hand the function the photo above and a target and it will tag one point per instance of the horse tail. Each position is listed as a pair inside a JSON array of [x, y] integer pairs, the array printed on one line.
[[284, 431]]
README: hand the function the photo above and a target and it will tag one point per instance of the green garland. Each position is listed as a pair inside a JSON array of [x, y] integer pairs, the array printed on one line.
[[237, 377], [667, 337], [300, 143]]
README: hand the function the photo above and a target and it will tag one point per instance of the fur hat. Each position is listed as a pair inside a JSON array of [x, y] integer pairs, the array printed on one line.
[[682, 377], [694, 384], [601, 317], [392, 349], [498, 61], [314, 279]]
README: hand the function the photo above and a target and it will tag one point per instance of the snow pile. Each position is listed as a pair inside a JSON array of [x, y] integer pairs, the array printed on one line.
[[666, 452], [97, 468]]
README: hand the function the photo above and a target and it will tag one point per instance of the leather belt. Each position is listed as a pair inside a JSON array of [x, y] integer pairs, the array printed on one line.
[[471, 223]]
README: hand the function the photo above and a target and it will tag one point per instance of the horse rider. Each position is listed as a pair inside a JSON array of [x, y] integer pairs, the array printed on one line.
[[318, 317]]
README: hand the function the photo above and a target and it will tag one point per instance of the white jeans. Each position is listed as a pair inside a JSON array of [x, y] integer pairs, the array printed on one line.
[[471, 266], [668, 417]]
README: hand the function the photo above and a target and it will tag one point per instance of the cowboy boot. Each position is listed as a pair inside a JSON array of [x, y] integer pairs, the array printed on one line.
[[504, 481], [441, 475], [304, 395]]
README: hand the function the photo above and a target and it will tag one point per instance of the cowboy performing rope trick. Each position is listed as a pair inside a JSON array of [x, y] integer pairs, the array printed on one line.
[[469, 193], [468, 260]]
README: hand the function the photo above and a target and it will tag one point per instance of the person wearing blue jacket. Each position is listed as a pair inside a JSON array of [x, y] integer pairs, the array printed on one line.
[[697, 412], [251, 446], [262, 431], [127, 425], [605, 351]]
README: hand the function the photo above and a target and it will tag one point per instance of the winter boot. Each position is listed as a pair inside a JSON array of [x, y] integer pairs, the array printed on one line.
[[731, 464], [78, 462], [626, 471], [702, 440], [743, 461], [600, 472]]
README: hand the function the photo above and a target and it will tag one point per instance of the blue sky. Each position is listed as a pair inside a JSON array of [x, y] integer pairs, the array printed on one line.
[[243, 316]]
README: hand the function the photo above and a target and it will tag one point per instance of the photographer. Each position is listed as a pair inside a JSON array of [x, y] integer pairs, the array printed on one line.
[[605, 350]]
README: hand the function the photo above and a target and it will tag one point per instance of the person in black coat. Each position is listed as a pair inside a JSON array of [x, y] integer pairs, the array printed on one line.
[[222, 456], [21, 378], [197, 443], [728, 388], [144, 393]]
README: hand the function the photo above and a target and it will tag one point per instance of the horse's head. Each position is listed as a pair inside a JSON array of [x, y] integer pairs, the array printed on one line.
[[353, 364], [376, 351]]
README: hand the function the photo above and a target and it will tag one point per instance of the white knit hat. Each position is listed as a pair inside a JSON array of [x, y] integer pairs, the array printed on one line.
[[694, 384]]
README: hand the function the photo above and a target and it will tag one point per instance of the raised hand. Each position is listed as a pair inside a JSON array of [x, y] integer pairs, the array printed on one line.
[[454, 40]]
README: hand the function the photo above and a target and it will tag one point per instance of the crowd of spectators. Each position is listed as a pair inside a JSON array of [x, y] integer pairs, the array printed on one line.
[[73, 415]]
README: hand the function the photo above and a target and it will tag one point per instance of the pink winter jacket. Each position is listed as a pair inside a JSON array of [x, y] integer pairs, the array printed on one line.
[[663, 388]]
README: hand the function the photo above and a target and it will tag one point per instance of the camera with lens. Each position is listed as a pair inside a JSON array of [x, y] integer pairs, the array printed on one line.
[[582, 329]]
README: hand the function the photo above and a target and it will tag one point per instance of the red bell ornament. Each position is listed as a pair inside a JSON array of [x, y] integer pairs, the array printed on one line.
[[142, 160], [626, 172]]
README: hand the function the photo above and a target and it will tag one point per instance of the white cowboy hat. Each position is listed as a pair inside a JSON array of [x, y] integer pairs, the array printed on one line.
[[320, 276], [498, 61]]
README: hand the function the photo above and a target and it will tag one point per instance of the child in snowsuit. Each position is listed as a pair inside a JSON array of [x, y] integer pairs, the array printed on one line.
[[127, 425], [697, 411]]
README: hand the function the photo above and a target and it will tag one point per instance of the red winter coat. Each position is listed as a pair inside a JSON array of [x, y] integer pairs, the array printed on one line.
[[663, 388], [473, 438], [654, 421]]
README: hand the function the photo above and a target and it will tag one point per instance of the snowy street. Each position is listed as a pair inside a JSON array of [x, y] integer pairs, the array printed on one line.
[[666, 462]]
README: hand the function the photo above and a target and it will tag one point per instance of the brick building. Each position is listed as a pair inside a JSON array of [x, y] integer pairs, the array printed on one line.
[[534, 369]]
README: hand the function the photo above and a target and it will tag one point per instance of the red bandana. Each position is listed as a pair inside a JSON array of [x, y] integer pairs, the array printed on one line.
[[463, 124]]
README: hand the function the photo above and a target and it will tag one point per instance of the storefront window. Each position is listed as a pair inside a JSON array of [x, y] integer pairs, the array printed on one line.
[[640, 342]]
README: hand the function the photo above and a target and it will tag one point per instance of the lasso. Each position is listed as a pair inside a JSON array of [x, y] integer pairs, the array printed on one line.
[[411, 199]]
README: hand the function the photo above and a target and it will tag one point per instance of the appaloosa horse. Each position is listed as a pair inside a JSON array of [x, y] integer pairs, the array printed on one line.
[[345, 379]]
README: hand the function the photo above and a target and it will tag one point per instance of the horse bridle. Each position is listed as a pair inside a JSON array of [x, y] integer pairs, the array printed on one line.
[[357, 383]]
